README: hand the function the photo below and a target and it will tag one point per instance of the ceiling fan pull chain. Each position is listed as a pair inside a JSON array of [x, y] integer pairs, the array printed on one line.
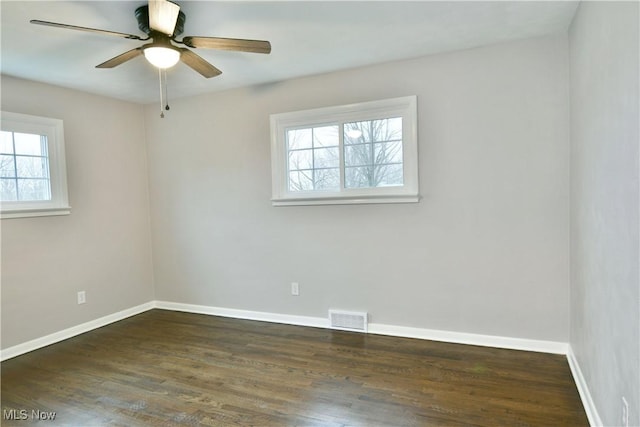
[[161, 92], [166, 91]]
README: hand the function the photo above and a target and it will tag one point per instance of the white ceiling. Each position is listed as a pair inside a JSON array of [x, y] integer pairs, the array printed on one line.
[[307, 38]]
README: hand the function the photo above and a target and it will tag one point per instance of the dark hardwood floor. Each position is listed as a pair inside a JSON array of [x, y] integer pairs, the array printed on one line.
[[164, 368]]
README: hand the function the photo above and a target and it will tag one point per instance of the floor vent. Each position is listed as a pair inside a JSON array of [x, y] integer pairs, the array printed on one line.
[[348, 320]]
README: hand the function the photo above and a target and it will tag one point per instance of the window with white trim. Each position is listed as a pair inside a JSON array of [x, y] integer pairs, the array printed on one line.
[[359, 153], [33, 178]]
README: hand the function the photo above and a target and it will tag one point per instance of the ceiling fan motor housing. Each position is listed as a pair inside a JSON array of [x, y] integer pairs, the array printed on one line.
[[142, 16]]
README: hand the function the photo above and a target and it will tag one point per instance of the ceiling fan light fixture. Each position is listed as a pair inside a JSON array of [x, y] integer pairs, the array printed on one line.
[[162, 56]]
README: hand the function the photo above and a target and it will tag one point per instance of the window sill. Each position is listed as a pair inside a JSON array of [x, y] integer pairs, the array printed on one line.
[[30, 213], [299, 201]]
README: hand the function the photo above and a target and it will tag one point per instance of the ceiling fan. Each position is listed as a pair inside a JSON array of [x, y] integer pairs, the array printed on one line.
[[163, 21]]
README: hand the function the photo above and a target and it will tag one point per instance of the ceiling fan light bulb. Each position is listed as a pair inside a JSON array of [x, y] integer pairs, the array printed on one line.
[[162, 57]]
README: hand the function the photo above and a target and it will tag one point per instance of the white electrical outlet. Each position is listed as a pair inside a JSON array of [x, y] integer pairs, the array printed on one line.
[[625, 413], [295, 289], [82, 297]]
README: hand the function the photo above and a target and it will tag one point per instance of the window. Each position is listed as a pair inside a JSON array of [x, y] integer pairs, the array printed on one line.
[[360, 153], [32, 167]]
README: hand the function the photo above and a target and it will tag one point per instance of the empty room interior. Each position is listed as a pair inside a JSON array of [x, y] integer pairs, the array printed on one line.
[[320, 213]]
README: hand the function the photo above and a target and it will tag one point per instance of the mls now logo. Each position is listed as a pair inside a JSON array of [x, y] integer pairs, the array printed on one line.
[[23, 414]]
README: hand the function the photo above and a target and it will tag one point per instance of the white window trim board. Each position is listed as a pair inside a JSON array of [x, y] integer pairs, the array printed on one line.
[[406, 107], [54, 130]]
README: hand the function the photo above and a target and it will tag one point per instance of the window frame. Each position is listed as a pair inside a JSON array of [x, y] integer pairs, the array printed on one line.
[[53, 129], [405, 107]]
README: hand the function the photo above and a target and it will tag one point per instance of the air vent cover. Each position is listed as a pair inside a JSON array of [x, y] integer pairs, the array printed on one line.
[[348, 320]]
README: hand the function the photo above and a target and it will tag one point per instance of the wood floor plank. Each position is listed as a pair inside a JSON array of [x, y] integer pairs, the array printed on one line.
[[164, 368]]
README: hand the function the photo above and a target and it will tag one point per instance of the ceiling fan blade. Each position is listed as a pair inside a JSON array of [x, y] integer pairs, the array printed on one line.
[[120, 59], [163, 16], [243, 45], [91, 30], [197, 63]]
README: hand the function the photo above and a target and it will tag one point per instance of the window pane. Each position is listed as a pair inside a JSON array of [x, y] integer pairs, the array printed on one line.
[[299, 138], [32, 167], [301, 180], [6, 142], [28, 143], [358, 177], [373, 153], [357, 155], [327, 179], [388, 152], [7, 167], [33, 189], [301, 159], [8, 190], [373, 131], [326, 136], [326, 157], [388, 175]]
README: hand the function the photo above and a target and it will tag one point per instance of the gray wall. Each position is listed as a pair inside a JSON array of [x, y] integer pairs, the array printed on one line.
[[605, 284], [104, 246], [485, 251]]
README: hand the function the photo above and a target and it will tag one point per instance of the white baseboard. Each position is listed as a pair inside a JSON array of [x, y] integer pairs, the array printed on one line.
[[377, 328], [583, 389], [37, 343], [316, 322], [553, 347]]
